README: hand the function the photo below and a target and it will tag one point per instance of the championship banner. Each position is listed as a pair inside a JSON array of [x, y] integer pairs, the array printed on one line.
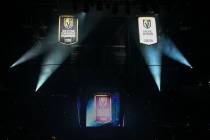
[[68, 29], [103, 106], [147, 30]]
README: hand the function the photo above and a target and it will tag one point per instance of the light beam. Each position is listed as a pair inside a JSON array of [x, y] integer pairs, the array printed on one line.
[[38, 48], [170, 50], [152, 57], [35, 51], [51, 63]]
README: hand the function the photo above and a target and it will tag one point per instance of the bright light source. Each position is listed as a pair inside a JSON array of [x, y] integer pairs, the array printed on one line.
[[36, 50], [52, 61], [170, 50], [152, 56], [156, 73], [46, 72]]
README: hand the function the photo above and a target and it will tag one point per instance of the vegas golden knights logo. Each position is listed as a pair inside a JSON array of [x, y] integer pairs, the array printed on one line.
[[103, 106], [147, 23], [103, 102], [68, 30], [147, 30], [68, 22]]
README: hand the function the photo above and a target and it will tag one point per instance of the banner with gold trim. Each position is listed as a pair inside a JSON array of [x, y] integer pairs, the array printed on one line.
[[68, 29]]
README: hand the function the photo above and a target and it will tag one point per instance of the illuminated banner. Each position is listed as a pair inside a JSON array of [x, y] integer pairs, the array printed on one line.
[[147, 30], [103, 106], [68, 30]]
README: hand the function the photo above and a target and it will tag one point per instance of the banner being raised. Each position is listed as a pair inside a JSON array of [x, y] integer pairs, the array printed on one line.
[[68, 29], [103, 106], [147, 30]]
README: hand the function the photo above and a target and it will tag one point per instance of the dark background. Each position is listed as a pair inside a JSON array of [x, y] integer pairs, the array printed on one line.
[[180, 110]]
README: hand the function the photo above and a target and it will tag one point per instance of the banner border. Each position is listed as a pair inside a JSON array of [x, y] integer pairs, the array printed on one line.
[[59, 29]]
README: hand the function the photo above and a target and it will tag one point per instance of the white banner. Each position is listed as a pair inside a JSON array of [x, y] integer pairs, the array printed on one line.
[[147, 30]]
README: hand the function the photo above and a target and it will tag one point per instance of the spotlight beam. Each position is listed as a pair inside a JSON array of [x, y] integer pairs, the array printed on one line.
[[46, 72], [35, 51], [51, 63], [156, 73], [38, 48], [152, 57], [170, 50]]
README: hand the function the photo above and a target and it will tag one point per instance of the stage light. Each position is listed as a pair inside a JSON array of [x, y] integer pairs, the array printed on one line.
[[152, 57], [58, 52], [170, 50], [156, 73], [38, 48], [52, 62], [46, 71], [149, 46], [35, 51]]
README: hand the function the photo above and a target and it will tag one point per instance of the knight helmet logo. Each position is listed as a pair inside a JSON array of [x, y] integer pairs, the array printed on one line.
[[147, 23], [68, 22], [102, 102]]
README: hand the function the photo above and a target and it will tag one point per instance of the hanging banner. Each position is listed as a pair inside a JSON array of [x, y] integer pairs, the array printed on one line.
[[147, 30], [68, 29], [103, 106]]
